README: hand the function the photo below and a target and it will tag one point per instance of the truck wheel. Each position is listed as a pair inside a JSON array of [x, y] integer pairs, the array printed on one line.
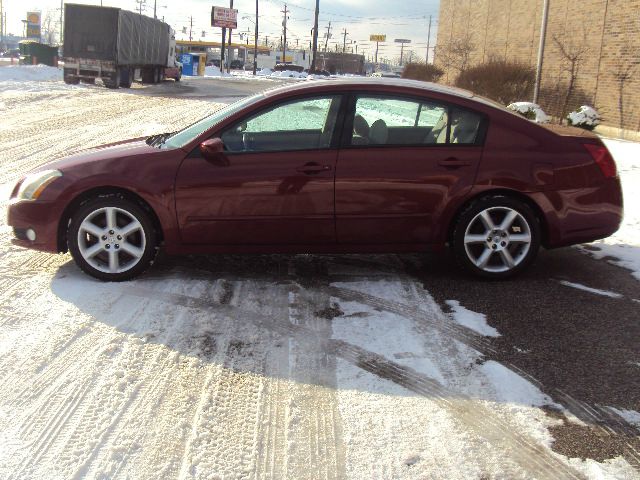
[[112, 80], [70, 80], [126, 77], [157, 75], [88, 81], [147, 75], [179, 75]]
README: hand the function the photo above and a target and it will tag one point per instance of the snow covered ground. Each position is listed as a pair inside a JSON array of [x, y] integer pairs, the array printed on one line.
[[251, 366], [624, 246]]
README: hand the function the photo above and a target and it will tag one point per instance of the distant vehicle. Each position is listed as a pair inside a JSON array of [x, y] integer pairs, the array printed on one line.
[[117, 46], [323, 73], [236, 64], [213, 63], [359, 165], [385, 75], [12, 53], [288, 67]]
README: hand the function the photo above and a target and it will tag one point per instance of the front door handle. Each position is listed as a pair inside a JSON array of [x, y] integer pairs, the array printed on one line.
[[453, 162], [313, 168]]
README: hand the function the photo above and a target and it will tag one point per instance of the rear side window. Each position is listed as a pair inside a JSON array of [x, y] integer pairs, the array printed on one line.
[[396, 121], [465, 126]]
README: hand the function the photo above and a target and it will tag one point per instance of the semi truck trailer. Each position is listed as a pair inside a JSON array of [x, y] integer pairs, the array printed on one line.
[[116, 46]]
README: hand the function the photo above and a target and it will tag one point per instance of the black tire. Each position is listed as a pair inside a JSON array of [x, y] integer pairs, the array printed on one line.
[[179, 75], [147, 75], [112, 81], [88, 81], [71, 80], [126, 77], [143, 239], [506, 250]]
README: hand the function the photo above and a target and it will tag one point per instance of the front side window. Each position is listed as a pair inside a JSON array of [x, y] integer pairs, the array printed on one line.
[[395, 121], [295, 125]]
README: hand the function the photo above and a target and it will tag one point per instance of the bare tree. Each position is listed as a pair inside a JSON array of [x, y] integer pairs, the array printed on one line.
[[626, 63], [456, 54], [573, 53], [49, 29]]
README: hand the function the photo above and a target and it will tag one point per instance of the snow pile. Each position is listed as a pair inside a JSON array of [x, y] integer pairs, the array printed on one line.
[[529, 110], [212, 71], [290, 74], [624, 245], [586, 117], [265, 72], [30, 73], [473, 320]]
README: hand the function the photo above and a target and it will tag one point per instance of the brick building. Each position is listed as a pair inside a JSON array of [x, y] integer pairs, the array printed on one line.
[[604, 34]]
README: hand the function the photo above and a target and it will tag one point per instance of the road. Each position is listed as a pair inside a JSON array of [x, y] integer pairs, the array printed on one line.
[[299, 366]]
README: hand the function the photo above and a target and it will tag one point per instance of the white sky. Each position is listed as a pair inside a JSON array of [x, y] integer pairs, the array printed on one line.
[[407, 19]]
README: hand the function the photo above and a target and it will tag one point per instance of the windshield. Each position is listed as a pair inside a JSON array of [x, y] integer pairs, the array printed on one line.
[[183, 137]]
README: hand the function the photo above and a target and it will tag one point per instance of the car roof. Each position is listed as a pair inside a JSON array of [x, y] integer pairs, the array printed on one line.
[[351, 82]]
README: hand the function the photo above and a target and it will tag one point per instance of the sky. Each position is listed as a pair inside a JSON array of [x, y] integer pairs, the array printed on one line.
[[408, 19]]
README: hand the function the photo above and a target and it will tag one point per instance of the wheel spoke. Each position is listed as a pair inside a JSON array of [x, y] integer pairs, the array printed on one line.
[[132, 250], [134, 226], [508, 220], [520, 238], [92, 251], [114, 261], [487, 221], [110, 212], [91, 228], [507, 259], [483, 259], [475, 238]]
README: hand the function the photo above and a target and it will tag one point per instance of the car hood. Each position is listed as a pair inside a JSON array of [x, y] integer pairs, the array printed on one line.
[[127, 148]]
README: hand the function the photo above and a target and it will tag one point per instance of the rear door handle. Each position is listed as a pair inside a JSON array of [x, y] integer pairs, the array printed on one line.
[[453, 162], [313, 168]]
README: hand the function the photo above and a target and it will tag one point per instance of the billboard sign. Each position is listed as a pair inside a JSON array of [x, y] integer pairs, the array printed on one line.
[[33, 25], [224, 17], [377, 38], [402, 40]]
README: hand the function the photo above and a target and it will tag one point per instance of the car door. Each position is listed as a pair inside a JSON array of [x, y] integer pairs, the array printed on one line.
[[404, 160], [274, 183]]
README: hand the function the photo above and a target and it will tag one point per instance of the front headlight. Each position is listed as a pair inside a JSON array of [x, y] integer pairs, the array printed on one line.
[[34, 184]]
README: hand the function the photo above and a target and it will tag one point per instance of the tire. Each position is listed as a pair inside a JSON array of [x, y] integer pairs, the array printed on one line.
[[147, 75], [71, 80], [496, 237], [112, 81], [112, 254], [126, 77], [88, 81]]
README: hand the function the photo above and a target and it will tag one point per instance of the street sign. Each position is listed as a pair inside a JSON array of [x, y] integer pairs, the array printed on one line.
[[224, 17], [378, 38], [33, 25], [402, 40]]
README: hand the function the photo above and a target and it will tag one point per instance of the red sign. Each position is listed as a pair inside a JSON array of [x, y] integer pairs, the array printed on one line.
[[224, 17]]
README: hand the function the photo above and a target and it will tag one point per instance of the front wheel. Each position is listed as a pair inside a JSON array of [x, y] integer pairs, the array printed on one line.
[[112, 238], [496, 237]]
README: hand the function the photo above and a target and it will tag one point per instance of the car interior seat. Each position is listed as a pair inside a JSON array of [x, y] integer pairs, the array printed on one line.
[[438, 133], [378, 133], [360, 131], [465, 128]]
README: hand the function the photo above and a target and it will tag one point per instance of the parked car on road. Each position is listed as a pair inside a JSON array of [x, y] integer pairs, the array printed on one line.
[[357, 165], [236, 64]]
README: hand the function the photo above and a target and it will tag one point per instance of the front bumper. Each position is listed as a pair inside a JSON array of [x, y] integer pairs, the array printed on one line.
[[41, 217]]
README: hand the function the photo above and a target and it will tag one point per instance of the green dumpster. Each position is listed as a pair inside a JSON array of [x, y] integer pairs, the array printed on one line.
[[33, 53]]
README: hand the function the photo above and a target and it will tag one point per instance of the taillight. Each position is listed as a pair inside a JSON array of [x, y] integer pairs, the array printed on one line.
[[603, 158]]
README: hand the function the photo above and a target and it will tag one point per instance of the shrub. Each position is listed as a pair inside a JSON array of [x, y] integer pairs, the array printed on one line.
[[499, 80], [530, 111], [585, 117], [427, 72]]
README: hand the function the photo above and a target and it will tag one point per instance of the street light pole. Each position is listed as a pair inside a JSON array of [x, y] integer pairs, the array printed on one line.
[[315, 37], [255, 39], [543, 34]]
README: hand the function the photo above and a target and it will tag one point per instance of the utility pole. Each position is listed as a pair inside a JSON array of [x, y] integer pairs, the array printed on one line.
[[429, 39], [255, 39], [284, 25], [344, 40], [326, 41], [190, 28], [315, 37], [229, 45], [154, 7], [1, 24], [543, 34]]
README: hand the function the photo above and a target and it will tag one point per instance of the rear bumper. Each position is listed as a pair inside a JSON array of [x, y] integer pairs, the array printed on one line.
[[581, 215], [41, 218]]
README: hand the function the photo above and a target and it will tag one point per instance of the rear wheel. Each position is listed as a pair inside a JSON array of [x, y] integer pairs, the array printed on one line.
[[112, 238], [126, 77], [71, 80], [496, 237], [88, 81]]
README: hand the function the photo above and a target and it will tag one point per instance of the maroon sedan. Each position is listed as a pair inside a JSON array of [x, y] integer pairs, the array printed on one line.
[[332, 166]]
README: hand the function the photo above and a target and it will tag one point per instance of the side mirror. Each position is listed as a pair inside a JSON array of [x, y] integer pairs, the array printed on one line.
[[213, 150]]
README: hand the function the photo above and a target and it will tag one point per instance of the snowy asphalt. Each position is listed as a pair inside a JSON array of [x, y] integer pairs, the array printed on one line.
[[305, 366]]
